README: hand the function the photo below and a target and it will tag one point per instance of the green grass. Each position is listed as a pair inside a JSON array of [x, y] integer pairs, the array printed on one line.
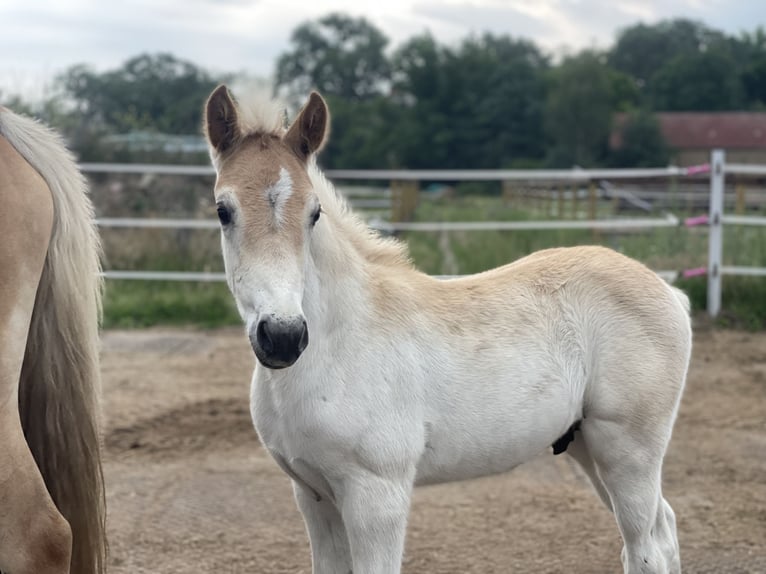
[[147, 303]]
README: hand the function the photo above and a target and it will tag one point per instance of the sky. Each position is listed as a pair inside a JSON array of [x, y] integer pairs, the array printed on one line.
[[40, 38]]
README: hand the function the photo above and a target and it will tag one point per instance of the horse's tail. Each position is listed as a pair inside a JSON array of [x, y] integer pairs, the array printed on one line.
[[59, 388]]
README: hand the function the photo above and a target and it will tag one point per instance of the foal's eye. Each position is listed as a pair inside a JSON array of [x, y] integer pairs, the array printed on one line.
[[224, 215], [315, 216]]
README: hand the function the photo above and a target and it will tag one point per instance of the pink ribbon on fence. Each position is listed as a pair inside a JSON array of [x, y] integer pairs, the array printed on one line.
[[697, 169], [696, 272], [699, 220]]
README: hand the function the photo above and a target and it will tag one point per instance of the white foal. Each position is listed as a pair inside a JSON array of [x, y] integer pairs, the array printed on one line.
[[373, 377]]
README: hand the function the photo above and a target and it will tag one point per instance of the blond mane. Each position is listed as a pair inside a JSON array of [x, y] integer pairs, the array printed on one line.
[[259, 113], [376, 249]]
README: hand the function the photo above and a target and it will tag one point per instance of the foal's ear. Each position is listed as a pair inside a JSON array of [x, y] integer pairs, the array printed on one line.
[[221, 123], [308, 133]]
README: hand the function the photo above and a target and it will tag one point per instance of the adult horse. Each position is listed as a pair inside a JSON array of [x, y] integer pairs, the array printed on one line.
[[51, 487], [373, 377]]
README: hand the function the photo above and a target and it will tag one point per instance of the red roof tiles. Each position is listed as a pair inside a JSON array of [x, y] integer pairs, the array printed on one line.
[[702, 130]]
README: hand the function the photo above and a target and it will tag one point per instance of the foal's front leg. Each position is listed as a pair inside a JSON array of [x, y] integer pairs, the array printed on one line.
[[329, 544], [374, 511]]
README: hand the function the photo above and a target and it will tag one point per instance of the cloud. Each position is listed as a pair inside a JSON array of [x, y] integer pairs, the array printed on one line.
[[214, 35], [41, 37], [459, 18]]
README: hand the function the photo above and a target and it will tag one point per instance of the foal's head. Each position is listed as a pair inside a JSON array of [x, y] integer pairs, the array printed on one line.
[[268, 211]]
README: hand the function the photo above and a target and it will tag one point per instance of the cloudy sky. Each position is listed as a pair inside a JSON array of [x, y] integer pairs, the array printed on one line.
[[39, 38]]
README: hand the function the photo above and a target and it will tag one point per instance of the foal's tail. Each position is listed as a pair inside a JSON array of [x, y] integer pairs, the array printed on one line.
[[60, 383]]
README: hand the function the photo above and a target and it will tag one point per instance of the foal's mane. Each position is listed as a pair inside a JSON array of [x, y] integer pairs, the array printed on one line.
[[260, 115], [376, 249]]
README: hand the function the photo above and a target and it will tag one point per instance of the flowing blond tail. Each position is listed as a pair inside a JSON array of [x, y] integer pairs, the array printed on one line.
[[59, 389]]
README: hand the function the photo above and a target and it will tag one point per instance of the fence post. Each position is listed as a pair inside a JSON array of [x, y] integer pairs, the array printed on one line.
[[593, 209], [575, 201], [741, 199], [396, 201], [560, 204], [715, 237]]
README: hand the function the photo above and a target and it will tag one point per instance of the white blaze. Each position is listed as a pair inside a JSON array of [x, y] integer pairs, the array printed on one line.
[[279, 193]]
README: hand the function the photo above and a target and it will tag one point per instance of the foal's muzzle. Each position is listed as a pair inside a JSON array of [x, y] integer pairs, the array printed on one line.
[[278, 342]]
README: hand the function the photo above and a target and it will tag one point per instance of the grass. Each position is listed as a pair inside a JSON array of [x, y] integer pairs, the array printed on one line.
[[147, 303], [140, 304]]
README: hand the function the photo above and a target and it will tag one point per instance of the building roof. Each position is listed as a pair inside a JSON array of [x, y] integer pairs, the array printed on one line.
[[707, 130]]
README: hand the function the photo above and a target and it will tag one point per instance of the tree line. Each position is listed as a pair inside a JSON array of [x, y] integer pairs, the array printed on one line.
[[491, 101]]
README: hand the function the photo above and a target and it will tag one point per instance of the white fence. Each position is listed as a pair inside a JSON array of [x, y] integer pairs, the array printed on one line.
[[718, 169]]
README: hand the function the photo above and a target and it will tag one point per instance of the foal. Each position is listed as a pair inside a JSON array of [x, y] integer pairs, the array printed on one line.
[[373, 377]]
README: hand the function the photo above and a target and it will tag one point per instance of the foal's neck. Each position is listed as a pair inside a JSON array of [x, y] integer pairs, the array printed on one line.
[[356, 277], [335, 291], [350, 286]]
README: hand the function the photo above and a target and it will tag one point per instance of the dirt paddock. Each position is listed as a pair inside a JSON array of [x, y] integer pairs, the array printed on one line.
[[190, 490]]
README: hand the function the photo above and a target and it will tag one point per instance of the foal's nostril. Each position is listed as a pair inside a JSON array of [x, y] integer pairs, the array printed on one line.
[[263, 337], [304, 340]]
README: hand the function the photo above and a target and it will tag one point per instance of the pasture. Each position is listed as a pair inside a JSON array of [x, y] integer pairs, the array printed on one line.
[[189, 488]]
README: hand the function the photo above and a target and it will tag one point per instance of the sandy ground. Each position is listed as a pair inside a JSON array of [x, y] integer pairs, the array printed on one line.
[[190, 490]]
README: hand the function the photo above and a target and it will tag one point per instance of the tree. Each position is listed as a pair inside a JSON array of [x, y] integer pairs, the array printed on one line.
[[17, 104], [420, 86], [478, 106], [363, 134], [705, 81], [624, 91], [338, 55], [641, 50], [749, 51], [578, 111], [501, 94], [642, 142], [155, 92]]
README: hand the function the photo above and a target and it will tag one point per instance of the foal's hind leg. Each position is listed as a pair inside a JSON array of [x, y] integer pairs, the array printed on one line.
[[630, 466], [578, 450]]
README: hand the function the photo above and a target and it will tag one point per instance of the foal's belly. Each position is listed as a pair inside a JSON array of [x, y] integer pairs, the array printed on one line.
[[490, 440]]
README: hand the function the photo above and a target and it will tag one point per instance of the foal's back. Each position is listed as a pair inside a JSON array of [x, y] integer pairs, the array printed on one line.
[[596, 290]]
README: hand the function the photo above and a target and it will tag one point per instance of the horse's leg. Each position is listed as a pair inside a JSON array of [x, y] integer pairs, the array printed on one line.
[[330, 553], [629, 462], [375, 511], [34, 537], [578, 450]]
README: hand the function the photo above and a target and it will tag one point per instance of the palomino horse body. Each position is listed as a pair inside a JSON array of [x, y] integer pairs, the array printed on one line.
[[51, 486], [373, 377]]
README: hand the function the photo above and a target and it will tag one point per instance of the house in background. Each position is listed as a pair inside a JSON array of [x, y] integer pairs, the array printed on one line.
[[691, 136]]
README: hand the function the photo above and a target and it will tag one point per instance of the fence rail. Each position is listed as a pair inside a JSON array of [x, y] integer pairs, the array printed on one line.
[[636, 223], [744, 169], [566, 175], [716, 171], [744, 219]]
